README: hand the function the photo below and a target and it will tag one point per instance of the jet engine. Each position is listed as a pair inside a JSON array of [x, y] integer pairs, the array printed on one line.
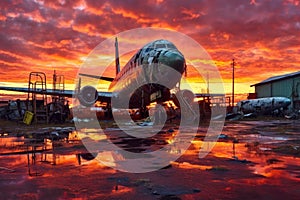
[[187, 95], [87, 96]]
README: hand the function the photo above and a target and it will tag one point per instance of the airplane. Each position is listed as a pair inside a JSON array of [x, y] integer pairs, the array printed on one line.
[[267, 105], [154, 55]]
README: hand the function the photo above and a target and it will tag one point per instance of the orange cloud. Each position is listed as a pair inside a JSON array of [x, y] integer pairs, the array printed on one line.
[[43, 35]]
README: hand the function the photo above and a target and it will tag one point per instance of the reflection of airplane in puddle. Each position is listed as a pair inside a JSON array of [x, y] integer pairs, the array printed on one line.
[[267, 105], [153, 55]]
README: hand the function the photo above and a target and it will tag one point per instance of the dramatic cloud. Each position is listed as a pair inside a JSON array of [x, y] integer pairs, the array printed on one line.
[[43, 35]]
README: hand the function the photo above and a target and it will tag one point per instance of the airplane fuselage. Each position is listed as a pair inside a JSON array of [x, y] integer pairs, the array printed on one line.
[[148, 65], [138, 80], [263, 105]]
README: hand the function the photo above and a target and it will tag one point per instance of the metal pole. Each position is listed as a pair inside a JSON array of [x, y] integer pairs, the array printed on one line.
[[232, 83], [207, 83]]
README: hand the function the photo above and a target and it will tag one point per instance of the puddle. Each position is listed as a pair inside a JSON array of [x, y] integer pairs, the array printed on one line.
[[69, 167], [251, 146], [187, 165], [256, 149], [8, 143]]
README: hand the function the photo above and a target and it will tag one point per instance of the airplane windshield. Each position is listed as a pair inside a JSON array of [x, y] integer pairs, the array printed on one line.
[[160, 46], [171, 46]]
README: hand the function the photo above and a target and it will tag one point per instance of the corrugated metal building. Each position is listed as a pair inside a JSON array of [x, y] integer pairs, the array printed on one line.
[[287, 85]]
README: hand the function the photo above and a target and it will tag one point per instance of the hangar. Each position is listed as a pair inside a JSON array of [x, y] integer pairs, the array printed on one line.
[[287, 85]]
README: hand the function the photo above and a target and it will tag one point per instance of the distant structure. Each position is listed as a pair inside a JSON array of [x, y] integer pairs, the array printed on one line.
[[287, 85]]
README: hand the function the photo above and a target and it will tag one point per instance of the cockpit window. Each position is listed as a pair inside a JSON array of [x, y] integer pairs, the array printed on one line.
[[160, 46], [171, 46]]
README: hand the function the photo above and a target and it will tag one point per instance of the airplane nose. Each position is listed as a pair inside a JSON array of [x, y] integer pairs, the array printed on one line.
[[173, 59]]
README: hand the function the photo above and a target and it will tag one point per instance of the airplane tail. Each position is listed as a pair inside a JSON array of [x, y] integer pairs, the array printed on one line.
[[117, 57]]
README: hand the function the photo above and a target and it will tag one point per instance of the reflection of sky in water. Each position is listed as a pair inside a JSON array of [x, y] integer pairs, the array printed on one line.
[[263, 163], [274, 167], [266, 163], [8, 143], [222, 149]]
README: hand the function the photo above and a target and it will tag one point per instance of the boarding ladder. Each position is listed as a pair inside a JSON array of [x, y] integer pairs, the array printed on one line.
[[37, 96], [58, 100], [58, 86]]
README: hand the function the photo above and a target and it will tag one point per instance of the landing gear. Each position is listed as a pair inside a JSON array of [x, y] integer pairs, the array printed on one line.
[[144, 112]]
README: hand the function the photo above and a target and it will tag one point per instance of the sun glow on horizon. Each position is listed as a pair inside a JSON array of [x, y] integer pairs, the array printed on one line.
[[260, 36]]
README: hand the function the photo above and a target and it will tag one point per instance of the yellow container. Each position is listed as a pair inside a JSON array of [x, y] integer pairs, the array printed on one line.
[[28, 117]]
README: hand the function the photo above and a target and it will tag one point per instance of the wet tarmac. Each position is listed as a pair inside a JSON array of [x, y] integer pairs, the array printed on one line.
[[251, 160]]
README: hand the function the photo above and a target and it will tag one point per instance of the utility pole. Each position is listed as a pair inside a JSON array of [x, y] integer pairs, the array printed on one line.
[[232, 98], [207, 83]]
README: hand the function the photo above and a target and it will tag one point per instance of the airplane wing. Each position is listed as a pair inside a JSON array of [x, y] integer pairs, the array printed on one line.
[[66, 93], [102, 96]]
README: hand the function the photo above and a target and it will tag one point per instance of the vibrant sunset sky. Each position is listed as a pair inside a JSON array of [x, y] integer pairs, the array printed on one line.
[[261, 35]]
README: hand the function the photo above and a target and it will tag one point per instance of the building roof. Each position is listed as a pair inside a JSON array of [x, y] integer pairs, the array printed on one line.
[[277, 78]]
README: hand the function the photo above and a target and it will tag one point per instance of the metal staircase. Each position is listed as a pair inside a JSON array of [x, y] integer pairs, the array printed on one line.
[[59, 86], [37, 97], [57, 106]]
